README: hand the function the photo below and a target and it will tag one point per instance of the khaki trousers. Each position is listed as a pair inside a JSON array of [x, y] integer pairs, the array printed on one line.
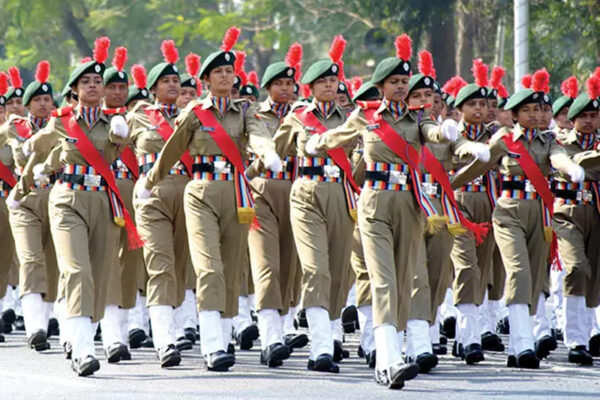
[[357, 261], [499, 276], [7, 247]]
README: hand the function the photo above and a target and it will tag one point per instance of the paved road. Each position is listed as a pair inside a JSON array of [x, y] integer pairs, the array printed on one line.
[[27, 375]]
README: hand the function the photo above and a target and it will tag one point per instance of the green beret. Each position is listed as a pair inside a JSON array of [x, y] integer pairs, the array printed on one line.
[[320, 69], [237, 82], [581, 104], [560, 103], [342, 88], [160, 70], [390, 66], [449, 100], [90, 67], [215, 60], [471, 91], [277, 70], [14, 93], [420, 81], [437, 88], [249, 90], [501, 101], [546, 99], [296, 88], [136, 93], [367, 91], [113, 75], [188, 81], [522, 97], [36, 88], [492, 94]]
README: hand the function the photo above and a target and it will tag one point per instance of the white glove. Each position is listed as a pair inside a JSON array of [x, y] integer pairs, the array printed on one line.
[[577, 173], [38, 172], [119, 126], [450, 130], [481, 152], [311, 145], [141, 191], [273, 162], [11, 202], [27, 148]]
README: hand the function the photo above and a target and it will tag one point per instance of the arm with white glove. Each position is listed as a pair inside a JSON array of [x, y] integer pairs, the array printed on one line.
[[11, 200], [273, 162], [141, 191], [119, 130], [577, 173], [450, 130]]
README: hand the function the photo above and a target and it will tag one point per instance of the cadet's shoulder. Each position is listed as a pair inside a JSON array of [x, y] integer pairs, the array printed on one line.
[[61, 112]]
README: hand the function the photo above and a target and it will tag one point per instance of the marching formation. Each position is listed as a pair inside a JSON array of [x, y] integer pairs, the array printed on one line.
[[161, 208]]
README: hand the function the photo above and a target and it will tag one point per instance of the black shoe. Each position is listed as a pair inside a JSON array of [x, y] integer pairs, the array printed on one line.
[[491, 342], [183, 344], [168, 356], [323, 363], [443, 340], [457, 350], [300, 321], [274, 355], [247, 337], [148, 343], [219, 361], [295, 340], [19, 323], [544, 346], [439, 349], [8, 317], [124, 353], [360, 352], [511, 362], [67, 350], [85, 366], [98, 335], [503, 326], [350, 319], [2, 339], [371, 358], [527, 359], [338, 351], [136, 338], [53, 328], [190, 334], [449, 327], [231, 349], [254, 316], [426, 362], [38, 341], [113, 353], [558, 334], [579, 355], [398, 374], [594, 345], [473, 354]]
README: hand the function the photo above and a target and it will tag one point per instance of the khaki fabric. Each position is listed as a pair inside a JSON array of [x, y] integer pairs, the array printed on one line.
[[7, 247], [357, 261], [499, 276]]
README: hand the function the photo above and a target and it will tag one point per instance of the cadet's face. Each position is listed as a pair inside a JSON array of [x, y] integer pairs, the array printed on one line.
[[220, 81], [90, 90], [115, 94], [562, 120], [2, 114], [41, 106], [281, 90], [492, 111], [504, 117], [436, 106], [586, 122], [167, 88], [420, 97], [235, 93], [186, 95], [456, 115], [15, 106], [325, 89], [546, 116], [342, 100], [529, 115], [394, 87], [474, 110]]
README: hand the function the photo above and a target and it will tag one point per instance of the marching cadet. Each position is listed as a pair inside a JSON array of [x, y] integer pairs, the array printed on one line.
[[343, 97], [273, 256], [215, 132], [249, 90], [29, 222], [322, 208], [520, 220], [503, 117], [160, 217], [82, 201], [390, 222], [577, 225], [127, 263], [560, 108]]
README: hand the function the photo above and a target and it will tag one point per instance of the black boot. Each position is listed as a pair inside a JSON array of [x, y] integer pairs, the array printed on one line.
[[136, 337], [183, 344], [300, 320], [426, 362], [371, 358], [473, 354], [579, 355], [247, 337], [395, 376], [338, 351], [38, 341], [439, 349], [448, 328], [527, 359], [491, 342], [219, 361], [168, 356], [295, 340], [594, 345], [323, 363], [85, 366], [350, 319], [19, 323], [190, 334], [274, 355], [113, 353], [503, 326], [544, 346], [53, 328]]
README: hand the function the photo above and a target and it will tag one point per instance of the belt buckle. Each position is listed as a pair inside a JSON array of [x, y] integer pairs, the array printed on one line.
[[397, 178], [586, 195], [222, 167], [430, 189], [528, 186], [92, 180], [478, 181], [331, 171]]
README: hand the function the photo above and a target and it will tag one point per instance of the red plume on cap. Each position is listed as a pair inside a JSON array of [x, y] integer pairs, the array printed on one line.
[[243, 78], [230, 39], [139, 76], [15, 77], [3, 83], [341, 73], [356, 82], [453, 86], [120, 58], [253, 78], [240, 60], [498, 73], [305, 89], [293, 58], [85, 60], [426, 64], [42, 71], [480, 72], [169, 51], [569, 88], [349, 87], [336, 51], [526, 81], [593, 87], [596, 72], [502, 91], [101, 46], [541, 81], [403, 45], [192, 64]]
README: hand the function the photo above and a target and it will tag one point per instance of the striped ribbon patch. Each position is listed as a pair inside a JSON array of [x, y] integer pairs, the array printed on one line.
[[384, 167], [73, 169], [318, 162], [151, 158], [585, 189], [284, 174], [211, 176], [517, 193]]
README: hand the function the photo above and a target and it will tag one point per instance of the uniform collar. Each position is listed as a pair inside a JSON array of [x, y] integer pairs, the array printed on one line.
[[383, 108], [101, 115], [471, 131], [312, 106], [518, 132], [206, 103]]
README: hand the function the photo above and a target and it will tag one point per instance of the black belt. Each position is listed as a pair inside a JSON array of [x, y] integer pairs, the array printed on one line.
[[513, 185], [317, 170], [77, 179], [6, 186], [566, 194], [383, 176], [206, 167]]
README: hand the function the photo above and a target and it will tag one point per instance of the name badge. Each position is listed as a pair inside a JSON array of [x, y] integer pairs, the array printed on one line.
[[71, 140], [310, 128], [372, 127], [92, 180], [398, 178], [528, 186], [207, 129], [513, 155]]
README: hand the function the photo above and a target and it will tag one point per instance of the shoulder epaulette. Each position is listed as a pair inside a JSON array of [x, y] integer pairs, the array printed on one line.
[[113, 111], [61, 112], [369, 104], [421, 107]]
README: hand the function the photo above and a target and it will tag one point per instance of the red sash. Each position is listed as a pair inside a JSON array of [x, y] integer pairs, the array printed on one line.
[[230, 150], [94, 159], [23, 128], [165, 130], [128, 158], [410, 155], [7, 176]]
